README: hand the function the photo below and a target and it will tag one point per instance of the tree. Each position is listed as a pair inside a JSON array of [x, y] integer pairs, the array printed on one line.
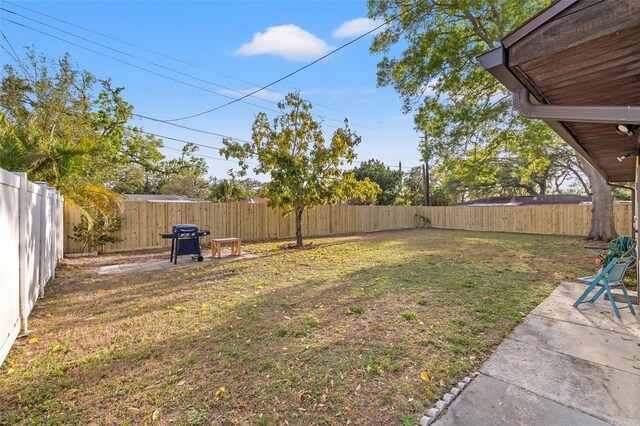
[[68, 128], [388, 180], [532, 170], [304, 171], [602, 219], [465, 112], [188, 185], [180, 176], [232, 189]]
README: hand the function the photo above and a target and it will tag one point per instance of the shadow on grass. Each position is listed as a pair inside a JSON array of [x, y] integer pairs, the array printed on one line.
[[287, 351]]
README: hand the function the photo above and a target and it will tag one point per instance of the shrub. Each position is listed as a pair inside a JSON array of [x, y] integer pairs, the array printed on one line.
[[95, 230]]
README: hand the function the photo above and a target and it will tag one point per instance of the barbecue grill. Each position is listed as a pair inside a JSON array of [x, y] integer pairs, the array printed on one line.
[[185, 239]]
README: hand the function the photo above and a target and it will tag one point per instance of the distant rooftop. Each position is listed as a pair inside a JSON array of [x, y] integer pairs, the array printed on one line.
[[161, 198], [531, 200]]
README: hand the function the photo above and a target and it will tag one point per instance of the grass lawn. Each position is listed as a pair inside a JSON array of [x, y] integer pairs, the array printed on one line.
[[337, 334]]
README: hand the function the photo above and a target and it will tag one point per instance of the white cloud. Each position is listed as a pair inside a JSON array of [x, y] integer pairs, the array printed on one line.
[[288, 41], [356, 27], [266, 95]]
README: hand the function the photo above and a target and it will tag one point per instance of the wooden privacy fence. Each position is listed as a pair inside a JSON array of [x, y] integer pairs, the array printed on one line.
[[30, 247], [145, 220], [560, 219]]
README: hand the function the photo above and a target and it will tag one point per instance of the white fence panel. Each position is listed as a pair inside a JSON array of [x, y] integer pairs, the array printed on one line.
[[30, 247], [9, 261]]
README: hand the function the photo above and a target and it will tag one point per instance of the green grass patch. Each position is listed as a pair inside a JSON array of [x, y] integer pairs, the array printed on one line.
[[355, 310], [268, 340]]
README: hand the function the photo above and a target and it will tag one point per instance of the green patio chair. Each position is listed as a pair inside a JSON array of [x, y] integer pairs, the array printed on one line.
[[610, 276]]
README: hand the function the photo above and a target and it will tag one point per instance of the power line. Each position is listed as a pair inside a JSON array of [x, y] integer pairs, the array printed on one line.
[[302, 67], [217, 148], [197, 155], [15, 58], [152, 51], [206, 132], [140, 115], [157, 73], [165, 68], [143, 60]]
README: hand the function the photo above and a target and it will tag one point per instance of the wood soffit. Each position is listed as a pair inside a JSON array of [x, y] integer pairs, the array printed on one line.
[[587, 54]]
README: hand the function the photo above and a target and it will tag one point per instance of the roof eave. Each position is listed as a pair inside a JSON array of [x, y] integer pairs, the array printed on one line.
[[495, 62], [537, 21]]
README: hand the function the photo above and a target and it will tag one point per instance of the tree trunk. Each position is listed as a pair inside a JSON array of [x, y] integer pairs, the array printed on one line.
[[602, 220], [299, 227]]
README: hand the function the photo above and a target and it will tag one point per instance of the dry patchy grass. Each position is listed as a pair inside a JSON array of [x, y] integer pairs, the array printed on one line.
[[333, 335]]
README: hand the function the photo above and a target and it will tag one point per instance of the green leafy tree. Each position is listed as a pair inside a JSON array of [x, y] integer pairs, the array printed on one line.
[[187, 184], [232, 189], [96, 229], [389, 181], [305, 171], [163, 177], [465, 112], [68, 128]]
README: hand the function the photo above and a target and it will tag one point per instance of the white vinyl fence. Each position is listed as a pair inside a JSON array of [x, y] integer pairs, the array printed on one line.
[[31, 243]]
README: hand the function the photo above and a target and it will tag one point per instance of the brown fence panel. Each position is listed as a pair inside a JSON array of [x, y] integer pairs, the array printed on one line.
[[143, 221]]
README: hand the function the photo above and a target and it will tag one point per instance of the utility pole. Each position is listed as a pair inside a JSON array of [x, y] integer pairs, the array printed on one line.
[[425, 173]]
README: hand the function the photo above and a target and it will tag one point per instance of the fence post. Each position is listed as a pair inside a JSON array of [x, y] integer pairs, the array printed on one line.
[[60, 246], [22, 251], [42, 240], [53, 229]]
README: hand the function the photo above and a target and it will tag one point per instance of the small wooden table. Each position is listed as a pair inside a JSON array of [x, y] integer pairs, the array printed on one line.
[[217, 243]]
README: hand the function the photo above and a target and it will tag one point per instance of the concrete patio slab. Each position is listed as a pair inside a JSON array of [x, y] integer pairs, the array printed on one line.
[[601, 391], [561, 366], [616, 350], [151, 266], [166, 264], [598, 315], [489, 401]]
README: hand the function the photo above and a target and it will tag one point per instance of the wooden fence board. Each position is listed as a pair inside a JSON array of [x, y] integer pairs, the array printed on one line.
[[144, 221]]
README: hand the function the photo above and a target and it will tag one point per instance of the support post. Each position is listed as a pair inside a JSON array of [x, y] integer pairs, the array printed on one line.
[[22, 252], [636, 200], [425, 170], [53, 229], [427, 188], [42, 239]]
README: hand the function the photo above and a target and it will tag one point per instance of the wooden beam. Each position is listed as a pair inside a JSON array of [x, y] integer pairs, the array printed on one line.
[[582, 22]]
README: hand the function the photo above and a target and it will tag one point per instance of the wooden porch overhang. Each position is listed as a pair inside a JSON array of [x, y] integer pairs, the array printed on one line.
[[582, 54]]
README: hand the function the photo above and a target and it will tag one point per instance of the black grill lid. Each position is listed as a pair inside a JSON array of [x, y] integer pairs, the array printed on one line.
[[179, 228]]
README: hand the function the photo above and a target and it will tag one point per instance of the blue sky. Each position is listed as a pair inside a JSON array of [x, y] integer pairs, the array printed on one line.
[[252, 42]]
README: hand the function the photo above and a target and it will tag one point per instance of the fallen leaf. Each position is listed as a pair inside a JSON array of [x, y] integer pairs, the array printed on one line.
[[220, 391], [425, 376], [71, 391], [33, 340], [101, 291], [205, 307], [181, 382], [155, 416], [299, 397], [134, 410]]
